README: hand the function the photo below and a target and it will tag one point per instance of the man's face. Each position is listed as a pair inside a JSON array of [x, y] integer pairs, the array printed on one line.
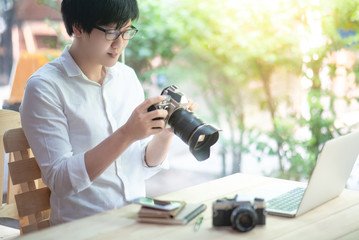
[[101, 51]]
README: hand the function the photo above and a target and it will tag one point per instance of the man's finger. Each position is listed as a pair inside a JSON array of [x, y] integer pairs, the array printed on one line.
[[160, 113], [158, 124], [192, 106], [151, 101]]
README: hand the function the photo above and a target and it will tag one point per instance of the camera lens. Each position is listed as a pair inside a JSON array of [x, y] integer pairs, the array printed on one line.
[[194, 132], [243, 218], [245, 221]]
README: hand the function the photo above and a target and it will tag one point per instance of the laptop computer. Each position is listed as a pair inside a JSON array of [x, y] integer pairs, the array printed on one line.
[[328, 179]]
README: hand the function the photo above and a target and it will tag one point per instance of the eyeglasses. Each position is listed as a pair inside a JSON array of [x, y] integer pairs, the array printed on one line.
[[113, 34]]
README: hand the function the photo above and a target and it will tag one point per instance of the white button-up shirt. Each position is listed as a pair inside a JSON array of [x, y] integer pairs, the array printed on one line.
[[64, 114]]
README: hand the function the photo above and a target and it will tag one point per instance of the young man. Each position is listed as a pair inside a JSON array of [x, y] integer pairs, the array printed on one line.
[[85, 117]]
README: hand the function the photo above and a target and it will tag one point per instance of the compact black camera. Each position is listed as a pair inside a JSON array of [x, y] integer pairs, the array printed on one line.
[[192, 130], [243, 216]]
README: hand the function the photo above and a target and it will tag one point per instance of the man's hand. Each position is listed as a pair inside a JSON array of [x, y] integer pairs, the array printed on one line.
[[192, 106], [141, 123]]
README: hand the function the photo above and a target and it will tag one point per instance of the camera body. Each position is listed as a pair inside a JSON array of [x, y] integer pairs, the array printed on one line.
[[185, 124], [243, 216], [175, 100]]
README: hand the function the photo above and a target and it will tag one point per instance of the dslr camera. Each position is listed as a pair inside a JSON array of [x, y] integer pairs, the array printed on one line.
[[243, 216], [185, 124]]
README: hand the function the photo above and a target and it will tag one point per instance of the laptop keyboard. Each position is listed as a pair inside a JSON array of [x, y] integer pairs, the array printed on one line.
[[288, 201]]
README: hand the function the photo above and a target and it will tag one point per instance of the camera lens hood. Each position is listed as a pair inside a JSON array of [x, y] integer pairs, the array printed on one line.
[[201, 149]]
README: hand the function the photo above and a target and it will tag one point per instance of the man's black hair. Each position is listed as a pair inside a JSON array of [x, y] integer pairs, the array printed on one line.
[[87, 13]]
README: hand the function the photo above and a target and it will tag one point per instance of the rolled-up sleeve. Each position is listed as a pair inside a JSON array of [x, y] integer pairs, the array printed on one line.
[[45, 126]]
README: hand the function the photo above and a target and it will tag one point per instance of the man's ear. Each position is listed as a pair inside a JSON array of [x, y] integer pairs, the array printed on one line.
[[77, 31]]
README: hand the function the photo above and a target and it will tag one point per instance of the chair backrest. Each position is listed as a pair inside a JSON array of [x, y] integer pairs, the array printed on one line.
[[33, 202], [8, 120]]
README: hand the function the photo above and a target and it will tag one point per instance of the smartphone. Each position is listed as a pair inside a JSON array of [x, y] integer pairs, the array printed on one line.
[[156, 204]]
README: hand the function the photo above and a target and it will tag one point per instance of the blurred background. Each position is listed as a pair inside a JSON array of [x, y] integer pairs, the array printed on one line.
[[279, 77]]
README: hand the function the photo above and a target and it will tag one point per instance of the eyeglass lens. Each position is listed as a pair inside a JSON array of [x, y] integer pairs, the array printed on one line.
[[127, 35]]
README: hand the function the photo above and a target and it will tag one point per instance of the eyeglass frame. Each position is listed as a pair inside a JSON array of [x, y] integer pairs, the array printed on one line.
[[106, 31]]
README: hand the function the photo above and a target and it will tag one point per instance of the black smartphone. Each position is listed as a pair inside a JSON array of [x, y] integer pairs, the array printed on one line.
[[156, 204]]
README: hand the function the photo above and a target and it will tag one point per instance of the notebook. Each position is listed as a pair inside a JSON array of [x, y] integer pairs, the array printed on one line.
[[328, 179], [156, 213], [189, 212]]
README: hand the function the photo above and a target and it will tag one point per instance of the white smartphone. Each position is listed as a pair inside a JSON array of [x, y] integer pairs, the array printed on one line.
[[156, 204]]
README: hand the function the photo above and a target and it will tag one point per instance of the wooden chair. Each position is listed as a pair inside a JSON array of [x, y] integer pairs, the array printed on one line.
[[9, 218], [8, 120], [33, 203]]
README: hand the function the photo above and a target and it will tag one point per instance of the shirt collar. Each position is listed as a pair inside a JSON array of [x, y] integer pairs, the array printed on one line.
[[72, 69], [70, 66]]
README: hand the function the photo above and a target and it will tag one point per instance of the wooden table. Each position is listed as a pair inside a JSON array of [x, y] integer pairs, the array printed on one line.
[[336, 219]]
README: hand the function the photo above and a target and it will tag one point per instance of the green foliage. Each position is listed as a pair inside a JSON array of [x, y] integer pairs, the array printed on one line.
[[232, 50], [240, 46], [160, 31]]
